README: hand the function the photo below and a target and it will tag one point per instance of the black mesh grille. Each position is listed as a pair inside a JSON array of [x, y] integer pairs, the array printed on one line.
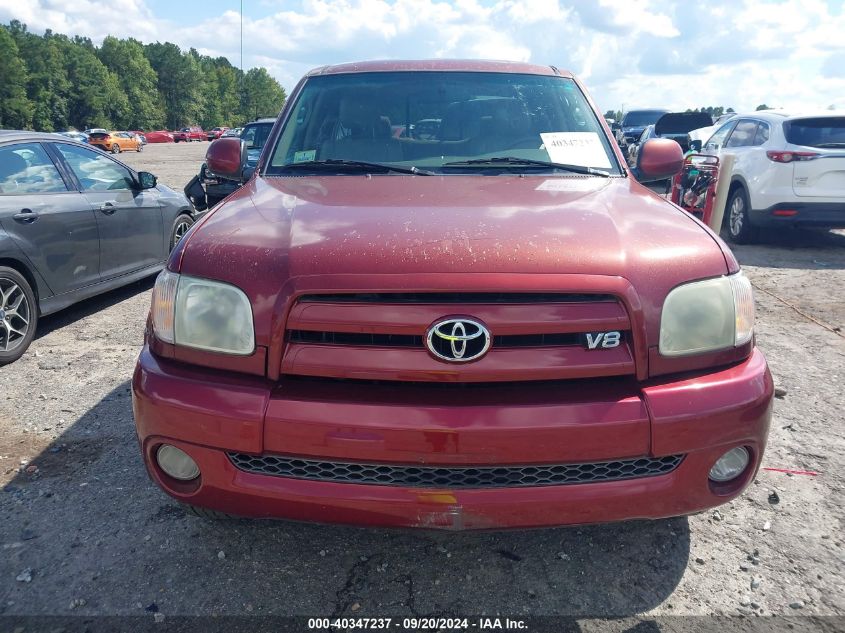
[[455, 477], [409, 340], [459, 297]]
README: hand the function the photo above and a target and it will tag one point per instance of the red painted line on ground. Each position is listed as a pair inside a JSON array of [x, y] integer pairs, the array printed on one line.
[[793, 472]]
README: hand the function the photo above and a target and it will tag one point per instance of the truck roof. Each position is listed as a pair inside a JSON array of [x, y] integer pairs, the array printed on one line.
[[440, 65]]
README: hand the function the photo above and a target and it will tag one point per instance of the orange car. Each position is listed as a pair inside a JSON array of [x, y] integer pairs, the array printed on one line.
[[115, 142]]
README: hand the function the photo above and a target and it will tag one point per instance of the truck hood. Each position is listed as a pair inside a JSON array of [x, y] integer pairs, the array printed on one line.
[[276, 229]]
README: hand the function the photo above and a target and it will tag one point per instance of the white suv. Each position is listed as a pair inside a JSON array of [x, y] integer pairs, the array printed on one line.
[[788, 170]]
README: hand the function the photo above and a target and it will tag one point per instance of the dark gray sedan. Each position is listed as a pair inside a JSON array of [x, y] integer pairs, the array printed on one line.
[[74, 222]]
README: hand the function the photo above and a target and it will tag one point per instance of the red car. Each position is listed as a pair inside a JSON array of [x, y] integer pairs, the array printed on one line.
[[215, 133], [188, 134], [493, 327], [159, 136]]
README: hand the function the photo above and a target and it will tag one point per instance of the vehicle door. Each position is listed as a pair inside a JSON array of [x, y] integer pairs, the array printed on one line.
[[124, 141], [52, 223], [129, 218], [715, 143], [740, 144]]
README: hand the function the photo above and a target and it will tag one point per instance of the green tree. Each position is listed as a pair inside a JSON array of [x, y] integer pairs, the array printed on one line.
[[263, 96], [229, 96], [47, 86], [179, 82], [762, 107], [15, 107], [53, 82], [96, 99], [137, 80]]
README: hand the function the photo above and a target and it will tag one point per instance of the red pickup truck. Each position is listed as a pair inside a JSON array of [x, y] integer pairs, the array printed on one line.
[[188, 134], [494, 326]]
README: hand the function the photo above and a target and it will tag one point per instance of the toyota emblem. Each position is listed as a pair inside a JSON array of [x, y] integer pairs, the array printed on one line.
[[458, 340]]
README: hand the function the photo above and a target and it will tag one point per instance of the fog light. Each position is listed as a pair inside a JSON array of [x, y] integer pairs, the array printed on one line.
[[177, 463], [730, 465]]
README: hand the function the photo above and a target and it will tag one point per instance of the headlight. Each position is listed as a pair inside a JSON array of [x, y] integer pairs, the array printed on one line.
[[707, 315], [202, 313]]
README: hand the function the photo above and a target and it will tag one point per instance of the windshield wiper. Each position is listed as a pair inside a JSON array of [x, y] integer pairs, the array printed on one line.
[[830, 144], [505, 161], [336, 164]]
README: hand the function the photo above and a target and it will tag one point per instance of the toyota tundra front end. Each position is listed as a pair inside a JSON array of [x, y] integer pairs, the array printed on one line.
[[442, 301]]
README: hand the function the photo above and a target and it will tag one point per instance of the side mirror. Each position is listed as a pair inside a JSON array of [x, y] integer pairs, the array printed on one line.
[[146, 180], [695, 145], [226, 157], [658, 159]]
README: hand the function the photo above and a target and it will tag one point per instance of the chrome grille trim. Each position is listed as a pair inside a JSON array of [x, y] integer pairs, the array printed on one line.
[[457, 297], [415, 476]]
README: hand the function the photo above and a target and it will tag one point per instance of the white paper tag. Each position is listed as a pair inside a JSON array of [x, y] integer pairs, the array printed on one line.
[[575, 148]]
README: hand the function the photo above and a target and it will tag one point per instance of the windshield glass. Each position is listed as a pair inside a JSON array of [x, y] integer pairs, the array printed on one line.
[[639, 118], [429, 119], [256, 135]]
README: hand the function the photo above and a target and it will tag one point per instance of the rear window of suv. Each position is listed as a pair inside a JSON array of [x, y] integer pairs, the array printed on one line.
[[816, 132]]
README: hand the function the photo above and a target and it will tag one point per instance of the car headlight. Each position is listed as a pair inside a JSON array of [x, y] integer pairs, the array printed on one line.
[[707, 315], [203, 314]]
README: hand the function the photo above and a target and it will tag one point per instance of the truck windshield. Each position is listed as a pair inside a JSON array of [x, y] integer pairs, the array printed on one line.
[[442, 122]]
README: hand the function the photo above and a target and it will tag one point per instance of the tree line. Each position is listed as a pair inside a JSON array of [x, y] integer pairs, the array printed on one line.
[[55, 82]]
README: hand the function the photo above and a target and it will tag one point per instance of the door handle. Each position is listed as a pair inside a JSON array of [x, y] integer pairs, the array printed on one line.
[[108, 208], [26, 216]]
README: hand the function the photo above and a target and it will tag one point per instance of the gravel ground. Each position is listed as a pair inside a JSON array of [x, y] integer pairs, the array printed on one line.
[[83, 530]]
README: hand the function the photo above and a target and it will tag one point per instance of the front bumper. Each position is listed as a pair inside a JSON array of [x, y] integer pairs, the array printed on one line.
[[207, 415]]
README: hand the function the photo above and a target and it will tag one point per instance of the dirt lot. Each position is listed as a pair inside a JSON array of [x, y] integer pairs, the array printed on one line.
[[88, 533]]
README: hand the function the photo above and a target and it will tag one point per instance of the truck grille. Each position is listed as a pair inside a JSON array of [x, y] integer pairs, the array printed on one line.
[[409, 340], [455, 477], [382, 336]]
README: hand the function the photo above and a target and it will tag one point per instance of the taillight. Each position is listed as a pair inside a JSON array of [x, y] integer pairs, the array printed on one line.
[[788, 157]]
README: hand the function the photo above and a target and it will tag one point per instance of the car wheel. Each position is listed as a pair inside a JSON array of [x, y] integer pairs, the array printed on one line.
[[181, 224], [18, 315], [737, 218], [140, 147], [115, 148], [205, 513]]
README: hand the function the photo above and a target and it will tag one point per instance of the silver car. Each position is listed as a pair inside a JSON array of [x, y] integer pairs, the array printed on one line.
[[74, 222]]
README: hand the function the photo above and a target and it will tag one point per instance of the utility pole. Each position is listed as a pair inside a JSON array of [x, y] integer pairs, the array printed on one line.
[[241, 78]]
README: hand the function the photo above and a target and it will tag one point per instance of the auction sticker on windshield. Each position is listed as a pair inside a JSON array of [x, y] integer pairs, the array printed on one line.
[[304, 156], [575, 148]]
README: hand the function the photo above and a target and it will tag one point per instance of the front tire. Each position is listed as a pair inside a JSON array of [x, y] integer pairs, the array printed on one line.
[[115, 149], [181, 224], [18, 315], [140, 147], [740, 230]]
